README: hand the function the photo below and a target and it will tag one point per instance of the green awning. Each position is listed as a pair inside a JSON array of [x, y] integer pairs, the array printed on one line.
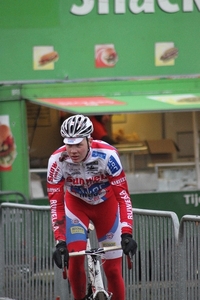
[[123, 104], [116, 97]]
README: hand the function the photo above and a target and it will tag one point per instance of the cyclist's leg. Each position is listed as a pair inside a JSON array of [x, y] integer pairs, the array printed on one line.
[[77, 224], [113, 271], [76, 272], [109, 234]]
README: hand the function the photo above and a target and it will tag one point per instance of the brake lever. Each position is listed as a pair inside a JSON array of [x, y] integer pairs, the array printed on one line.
[[130, 261], [64, 269]]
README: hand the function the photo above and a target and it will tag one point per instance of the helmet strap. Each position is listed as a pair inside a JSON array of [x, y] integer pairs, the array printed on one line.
[[88, 147]]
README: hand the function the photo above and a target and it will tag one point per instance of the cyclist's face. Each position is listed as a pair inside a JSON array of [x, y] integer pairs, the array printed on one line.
[[79, 151]]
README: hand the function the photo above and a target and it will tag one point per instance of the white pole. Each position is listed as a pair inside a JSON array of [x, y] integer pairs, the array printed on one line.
[[196, 148]]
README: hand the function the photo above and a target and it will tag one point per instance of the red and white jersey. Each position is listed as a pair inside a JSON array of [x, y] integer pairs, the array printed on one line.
[[95, 180]]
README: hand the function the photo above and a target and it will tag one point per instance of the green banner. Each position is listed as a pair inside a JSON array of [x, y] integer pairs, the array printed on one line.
[[73, 39], [180, 202]]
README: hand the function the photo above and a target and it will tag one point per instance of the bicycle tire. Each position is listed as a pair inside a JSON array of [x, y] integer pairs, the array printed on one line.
[[100, 296], [89, 292]]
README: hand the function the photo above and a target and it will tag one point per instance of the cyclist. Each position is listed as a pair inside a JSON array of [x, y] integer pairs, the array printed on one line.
[[86, 182]]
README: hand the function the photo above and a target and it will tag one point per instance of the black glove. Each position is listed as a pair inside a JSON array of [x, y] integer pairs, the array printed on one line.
[[128, 244], [61, 253]]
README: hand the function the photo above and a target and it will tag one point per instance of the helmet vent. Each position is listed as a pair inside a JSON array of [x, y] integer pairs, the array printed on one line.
[[76, 126]]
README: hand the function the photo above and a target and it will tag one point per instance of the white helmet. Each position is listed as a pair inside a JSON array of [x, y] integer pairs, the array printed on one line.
[[75, 128]]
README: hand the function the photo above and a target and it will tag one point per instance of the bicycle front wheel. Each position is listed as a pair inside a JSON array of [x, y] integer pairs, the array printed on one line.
[[100, 296]]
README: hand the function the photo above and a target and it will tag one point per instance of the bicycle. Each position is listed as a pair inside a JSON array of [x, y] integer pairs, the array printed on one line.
[[96, 289]]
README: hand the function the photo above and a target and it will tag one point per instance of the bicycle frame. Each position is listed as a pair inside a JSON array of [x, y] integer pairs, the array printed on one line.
[[95, 276]]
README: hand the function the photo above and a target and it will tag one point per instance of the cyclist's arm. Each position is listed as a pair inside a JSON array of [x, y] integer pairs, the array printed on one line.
[[119, 184], [55, 190]]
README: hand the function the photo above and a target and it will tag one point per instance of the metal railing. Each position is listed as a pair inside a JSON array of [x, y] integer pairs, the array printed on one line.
[[26, 258], [155, 266], [166, 265], [189, 258]]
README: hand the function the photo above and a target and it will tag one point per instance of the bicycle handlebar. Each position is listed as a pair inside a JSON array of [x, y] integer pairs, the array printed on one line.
[[95, 251], [105, 249], [98, 251]]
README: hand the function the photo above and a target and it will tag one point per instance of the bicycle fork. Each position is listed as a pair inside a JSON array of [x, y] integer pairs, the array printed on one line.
[[95, 276]]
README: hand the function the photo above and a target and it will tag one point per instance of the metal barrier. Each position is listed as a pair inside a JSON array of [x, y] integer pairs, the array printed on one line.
[[165, 266], [189, 258], [26, 253], [155, 265]]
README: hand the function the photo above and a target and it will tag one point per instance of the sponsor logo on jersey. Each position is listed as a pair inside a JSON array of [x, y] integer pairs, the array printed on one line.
[[77, 229], [113, 165], [95, 190], [109, 235], [85, 181], [53, 190], [75, 221], [73, 169], [75, 173], [118, 181], [54, 217], [92, 167], [128, 203], [108, 244], [53, 172], [98, 154]]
